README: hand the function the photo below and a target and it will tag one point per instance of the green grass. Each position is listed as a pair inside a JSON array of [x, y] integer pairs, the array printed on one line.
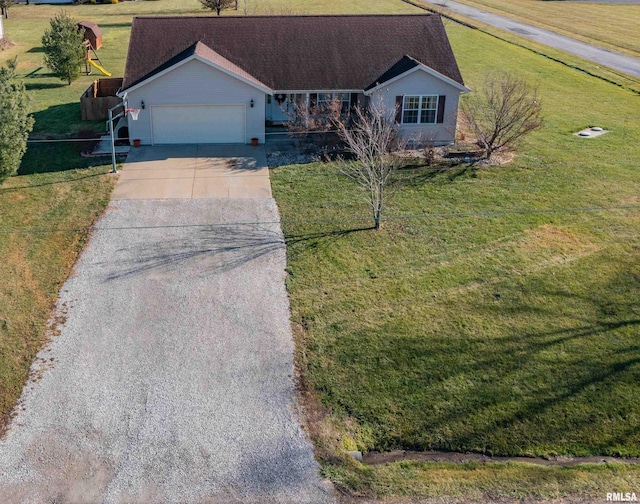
[[614, 26], [512, 334]]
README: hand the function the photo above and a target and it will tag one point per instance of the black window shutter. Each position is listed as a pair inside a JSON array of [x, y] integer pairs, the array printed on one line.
[[441, 100], [353, 101], [398, 109], [313, 99]]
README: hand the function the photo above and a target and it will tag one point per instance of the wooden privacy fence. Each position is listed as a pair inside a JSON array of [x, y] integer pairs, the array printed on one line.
[[96, 101]]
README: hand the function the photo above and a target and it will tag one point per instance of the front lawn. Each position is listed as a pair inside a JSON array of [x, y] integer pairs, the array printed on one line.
[[508, 331]]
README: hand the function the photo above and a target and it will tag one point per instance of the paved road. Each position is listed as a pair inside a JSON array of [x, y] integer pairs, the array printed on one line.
[[171, 379], [617, 61]]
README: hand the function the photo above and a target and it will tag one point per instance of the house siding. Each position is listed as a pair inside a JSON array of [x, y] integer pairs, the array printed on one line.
[[421, 83], [196, 83]]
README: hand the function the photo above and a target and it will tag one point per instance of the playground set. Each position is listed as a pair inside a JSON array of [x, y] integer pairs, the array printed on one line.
[[92, 42]]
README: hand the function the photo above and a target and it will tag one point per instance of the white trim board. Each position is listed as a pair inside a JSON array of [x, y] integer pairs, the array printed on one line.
[[143, 83], [423, 68]]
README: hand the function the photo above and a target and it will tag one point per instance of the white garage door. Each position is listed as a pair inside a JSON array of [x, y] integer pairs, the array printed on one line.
[[198, 124]]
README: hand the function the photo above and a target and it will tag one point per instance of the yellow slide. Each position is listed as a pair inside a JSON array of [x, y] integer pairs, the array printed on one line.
[[105, 72]]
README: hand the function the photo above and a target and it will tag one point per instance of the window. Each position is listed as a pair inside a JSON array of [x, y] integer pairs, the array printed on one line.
[[326, 98], [419, 109]]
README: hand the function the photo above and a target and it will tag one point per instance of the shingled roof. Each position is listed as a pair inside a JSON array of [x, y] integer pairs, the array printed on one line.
[[296, 52], [206, 53]]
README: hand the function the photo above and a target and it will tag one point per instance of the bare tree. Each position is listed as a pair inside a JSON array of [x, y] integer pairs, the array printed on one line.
[[372, 136], [506, 110], [310, 116], [218, 5]]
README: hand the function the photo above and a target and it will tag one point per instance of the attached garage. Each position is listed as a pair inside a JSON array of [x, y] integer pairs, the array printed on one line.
[[179, 124], [196, 97]]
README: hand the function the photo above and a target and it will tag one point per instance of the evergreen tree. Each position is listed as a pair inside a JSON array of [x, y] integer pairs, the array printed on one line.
[[15, 122], [64, 49]]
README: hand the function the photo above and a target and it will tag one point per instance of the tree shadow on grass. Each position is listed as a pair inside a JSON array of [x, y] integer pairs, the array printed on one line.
[[33, 73], [561, 379], [35, 86], [58, 119], [313, 240], [506, 399], [55, 157], [417, 176]]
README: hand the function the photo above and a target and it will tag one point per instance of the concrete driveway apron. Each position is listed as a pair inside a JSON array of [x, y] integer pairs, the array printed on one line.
[[171, 377], [194, 171]]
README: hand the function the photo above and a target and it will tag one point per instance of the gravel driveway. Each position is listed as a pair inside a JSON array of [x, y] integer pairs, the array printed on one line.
[[171, 378]]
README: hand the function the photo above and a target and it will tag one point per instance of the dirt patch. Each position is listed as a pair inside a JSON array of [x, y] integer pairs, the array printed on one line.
[[498, 159], [376, 458], [6, 43]]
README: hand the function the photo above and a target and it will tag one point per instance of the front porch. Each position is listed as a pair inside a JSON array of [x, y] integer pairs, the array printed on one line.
[[283, 104]]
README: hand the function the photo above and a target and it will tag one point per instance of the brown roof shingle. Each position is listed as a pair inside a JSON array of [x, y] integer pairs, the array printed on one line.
[[208, 54], [297, 52]]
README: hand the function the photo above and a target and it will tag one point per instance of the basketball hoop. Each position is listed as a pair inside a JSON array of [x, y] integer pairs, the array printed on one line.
[[133, 112]]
